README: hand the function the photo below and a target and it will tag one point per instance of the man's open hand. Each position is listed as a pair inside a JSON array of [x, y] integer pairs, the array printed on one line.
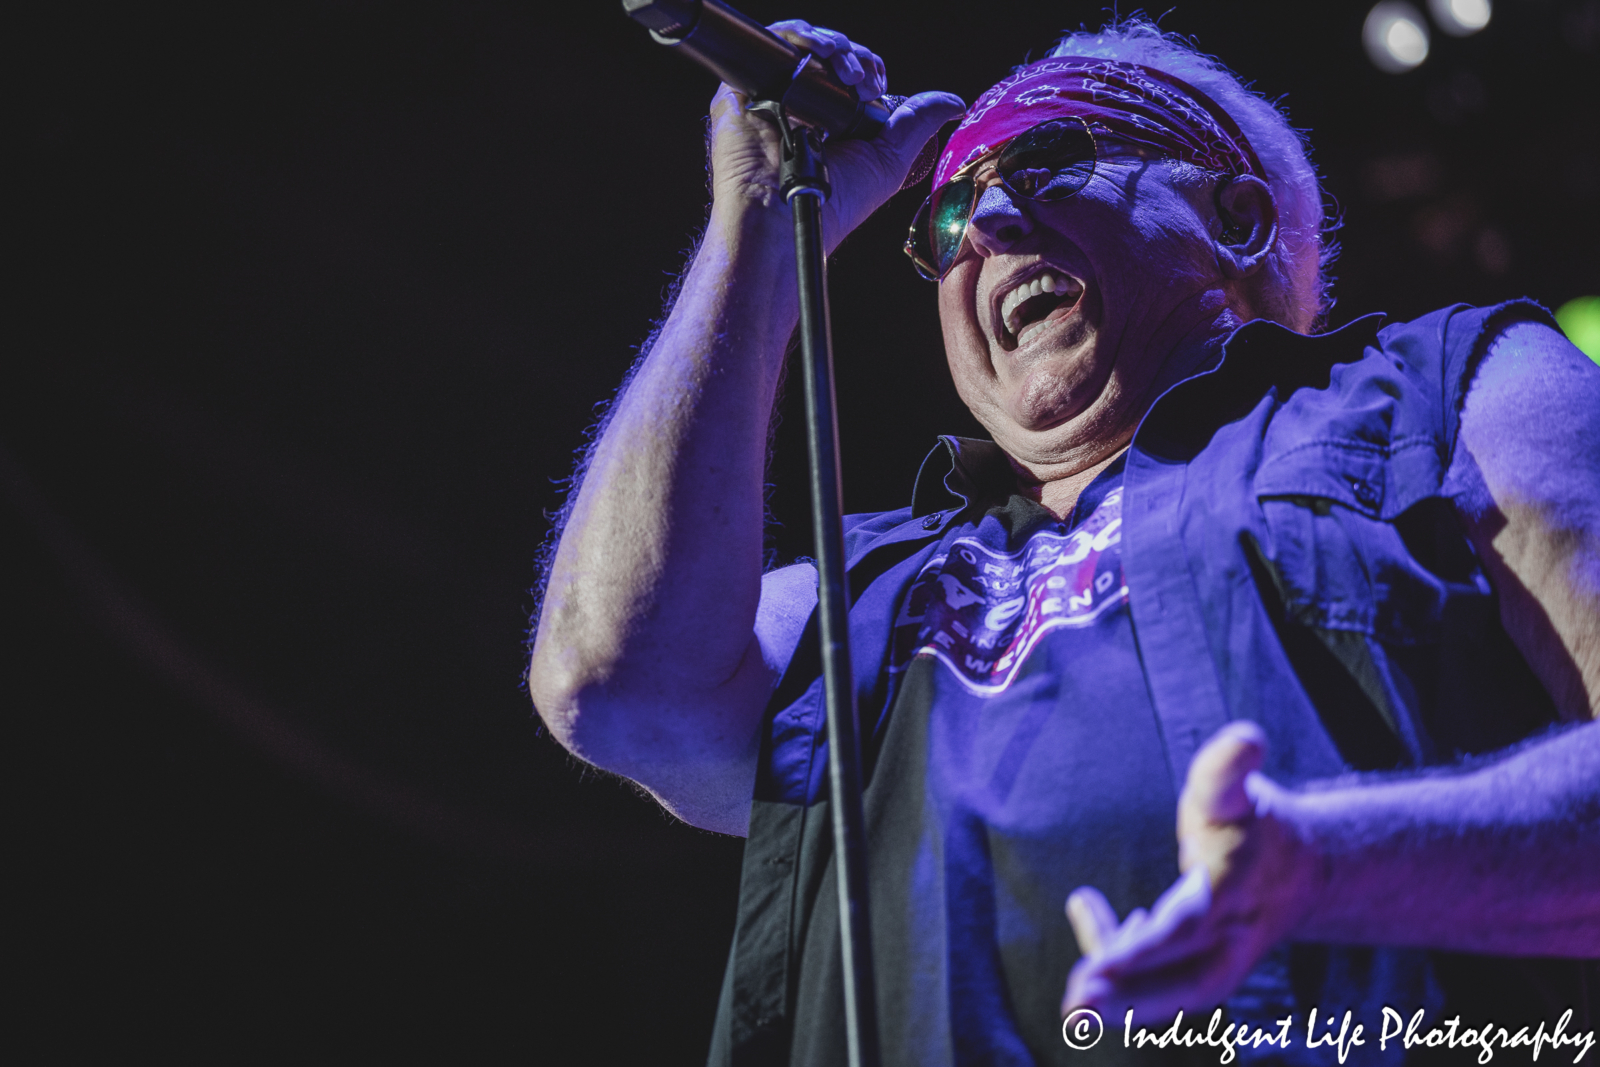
[[1249, 878]]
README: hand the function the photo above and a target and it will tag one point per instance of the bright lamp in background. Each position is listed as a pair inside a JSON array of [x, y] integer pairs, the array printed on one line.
[[1396, 35], [1460, 18], [1580, 320]]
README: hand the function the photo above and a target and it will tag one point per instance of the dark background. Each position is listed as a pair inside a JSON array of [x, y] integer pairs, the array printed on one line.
[[312, 305]]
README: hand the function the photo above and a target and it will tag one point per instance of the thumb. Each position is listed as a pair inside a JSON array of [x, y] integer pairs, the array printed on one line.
[[1092, 918], [916, 121], [1214, 791]]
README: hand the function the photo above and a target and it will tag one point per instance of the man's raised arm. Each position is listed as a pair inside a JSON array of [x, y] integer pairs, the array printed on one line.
[[659, 641]]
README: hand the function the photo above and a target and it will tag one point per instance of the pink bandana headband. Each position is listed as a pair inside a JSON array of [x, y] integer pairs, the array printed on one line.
[[1123, 99]]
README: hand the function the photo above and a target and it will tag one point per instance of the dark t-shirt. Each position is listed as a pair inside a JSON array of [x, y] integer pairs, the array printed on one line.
[[1021, 759], [1024, 718]]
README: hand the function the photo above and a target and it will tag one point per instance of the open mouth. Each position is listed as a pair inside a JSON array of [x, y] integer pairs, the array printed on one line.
[[1026, 308]]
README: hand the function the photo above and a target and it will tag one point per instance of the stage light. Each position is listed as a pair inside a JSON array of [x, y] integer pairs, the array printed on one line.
[[1460, 18], [1396, 36], [1579, 319]]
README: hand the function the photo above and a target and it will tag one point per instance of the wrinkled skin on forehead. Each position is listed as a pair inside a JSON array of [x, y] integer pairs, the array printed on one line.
[[1145, 251]]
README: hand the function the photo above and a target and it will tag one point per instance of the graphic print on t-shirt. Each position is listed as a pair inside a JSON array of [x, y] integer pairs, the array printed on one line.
[[980, 611]]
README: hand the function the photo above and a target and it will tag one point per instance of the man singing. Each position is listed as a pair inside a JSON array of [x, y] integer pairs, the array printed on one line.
[[1211, 563]]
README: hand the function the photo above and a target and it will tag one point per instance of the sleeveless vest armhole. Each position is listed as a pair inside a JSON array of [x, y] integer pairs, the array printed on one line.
[[1467, 339]]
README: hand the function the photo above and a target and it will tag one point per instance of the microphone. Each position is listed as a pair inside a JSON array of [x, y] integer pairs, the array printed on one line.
[[760, 64]]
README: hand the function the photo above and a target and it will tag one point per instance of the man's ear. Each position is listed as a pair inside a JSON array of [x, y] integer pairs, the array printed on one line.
[[1246, 226]]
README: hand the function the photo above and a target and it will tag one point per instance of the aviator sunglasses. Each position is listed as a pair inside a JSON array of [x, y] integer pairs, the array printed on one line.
[[1050, 161]]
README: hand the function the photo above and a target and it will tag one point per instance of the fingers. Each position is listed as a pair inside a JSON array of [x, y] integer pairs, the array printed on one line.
[[814, 39], [1194, 984], [1146, 940], [1176, 957], [1093, 920], [853, 64], [1175, 928], [1185, 902], [1171, 930], [1086, 988], [1214, 790], [876, 82], [1238, 894]]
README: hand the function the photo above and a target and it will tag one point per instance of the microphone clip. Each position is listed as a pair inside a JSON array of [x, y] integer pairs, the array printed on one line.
[[803, 171]]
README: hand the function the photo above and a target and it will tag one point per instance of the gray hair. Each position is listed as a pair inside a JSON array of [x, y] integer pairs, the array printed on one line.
[[1299, 291]]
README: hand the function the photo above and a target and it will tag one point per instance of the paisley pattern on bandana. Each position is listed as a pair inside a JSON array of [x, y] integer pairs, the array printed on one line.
[[1123, 99]]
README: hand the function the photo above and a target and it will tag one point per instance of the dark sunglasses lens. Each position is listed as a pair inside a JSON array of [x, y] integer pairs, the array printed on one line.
[[950, 209], [1051, 161]]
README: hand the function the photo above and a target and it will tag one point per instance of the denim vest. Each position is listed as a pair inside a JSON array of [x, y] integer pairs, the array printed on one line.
[[1291, 558]]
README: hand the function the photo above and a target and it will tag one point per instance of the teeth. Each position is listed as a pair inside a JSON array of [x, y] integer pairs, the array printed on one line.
[[1043, 283]]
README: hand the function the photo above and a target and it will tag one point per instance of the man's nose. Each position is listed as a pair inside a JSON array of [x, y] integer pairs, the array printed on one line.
[[997, 222]]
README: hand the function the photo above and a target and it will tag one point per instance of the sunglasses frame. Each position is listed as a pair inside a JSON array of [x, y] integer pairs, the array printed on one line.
[[969, 173]]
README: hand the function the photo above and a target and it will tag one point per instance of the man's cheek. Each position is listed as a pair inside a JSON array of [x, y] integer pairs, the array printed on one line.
[[958, 303]]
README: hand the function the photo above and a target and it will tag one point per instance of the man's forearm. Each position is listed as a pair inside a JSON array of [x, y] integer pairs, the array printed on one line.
[[653, 591], [1504, 859]]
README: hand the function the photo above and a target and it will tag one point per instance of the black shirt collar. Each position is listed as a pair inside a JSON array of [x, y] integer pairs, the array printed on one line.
[[961, 471]]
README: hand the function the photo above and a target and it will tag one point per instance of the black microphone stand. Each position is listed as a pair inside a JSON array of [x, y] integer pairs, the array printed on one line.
[[803, 183], [782, 81]]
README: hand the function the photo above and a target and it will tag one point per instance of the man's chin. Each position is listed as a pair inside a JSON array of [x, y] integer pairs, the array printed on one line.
[[1057, 426], [1057, 389], [1045, 444]]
